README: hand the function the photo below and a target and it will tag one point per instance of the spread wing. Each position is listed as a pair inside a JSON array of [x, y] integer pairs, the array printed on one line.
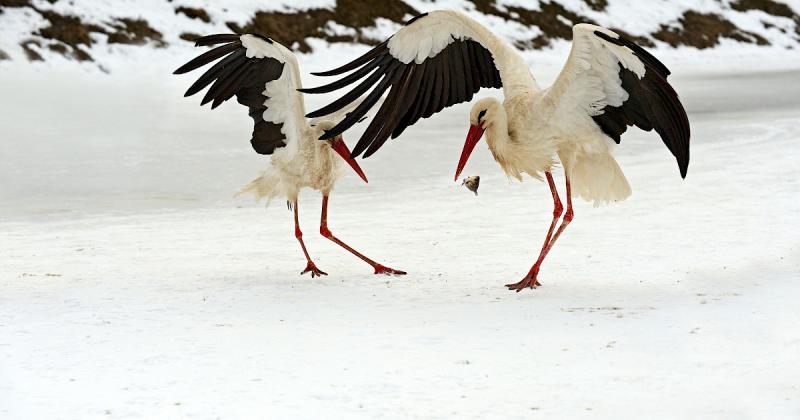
[[264, 76], [619, 84], [435, 61]]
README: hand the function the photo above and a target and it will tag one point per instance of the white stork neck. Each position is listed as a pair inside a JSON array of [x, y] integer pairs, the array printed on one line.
[[512, 67], [497, 136]]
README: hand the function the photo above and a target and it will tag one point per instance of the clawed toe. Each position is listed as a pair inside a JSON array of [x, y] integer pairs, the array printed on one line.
[[531, 282], [379, 269], [315, 272]]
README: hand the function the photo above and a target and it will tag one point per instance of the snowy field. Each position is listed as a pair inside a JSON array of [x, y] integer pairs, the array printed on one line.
[[133, 285]]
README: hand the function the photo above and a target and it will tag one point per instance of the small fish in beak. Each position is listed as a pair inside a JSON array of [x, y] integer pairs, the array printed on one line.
[[472, 183]]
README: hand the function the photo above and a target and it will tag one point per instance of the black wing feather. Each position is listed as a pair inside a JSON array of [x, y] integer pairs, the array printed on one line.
[[379, 120], [226, 76], [436, 94], [352, 77], [652, 104], [237, 75], [416, 91], [351, 96], [215, 39], [207, 57], [379, 50], [212, 73]]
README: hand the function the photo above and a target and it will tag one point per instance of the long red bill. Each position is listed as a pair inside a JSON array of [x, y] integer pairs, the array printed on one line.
[[341, 148], [474, 135]]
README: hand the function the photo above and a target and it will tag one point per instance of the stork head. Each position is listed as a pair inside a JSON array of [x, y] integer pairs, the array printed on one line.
[[480, 118]]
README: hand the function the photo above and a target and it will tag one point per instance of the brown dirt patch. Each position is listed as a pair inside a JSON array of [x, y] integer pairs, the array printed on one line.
[[136, 32], [550, 19], [15, 3], [31, 53], [769, 6], [597, 5], [292, 29], [704, 31], [59, 48], [194, 13], [546, 19], [69, 30], [189, 36]]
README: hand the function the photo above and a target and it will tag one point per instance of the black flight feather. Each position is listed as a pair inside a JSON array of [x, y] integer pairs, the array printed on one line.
[[234, 74]]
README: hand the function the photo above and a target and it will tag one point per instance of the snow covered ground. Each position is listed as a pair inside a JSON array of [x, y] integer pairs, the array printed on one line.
[[132, 284]]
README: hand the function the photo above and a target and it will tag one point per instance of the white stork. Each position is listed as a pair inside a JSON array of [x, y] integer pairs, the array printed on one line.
[[264, 76], [442, 58]]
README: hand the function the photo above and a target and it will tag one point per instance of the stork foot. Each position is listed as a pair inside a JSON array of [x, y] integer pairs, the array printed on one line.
[[315, 272], [379, 269], [528, 281]]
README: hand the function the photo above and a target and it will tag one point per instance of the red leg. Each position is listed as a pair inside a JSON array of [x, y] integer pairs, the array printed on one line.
[[568, 216], [530, 280], [324, 231], [310, 267]]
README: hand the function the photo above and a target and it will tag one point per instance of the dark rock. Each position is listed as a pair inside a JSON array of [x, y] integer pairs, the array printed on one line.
[[704, 31]]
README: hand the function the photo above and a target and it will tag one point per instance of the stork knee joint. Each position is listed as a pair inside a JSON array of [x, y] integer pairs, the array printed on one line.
[[298, 233], [324, 231], [569, 215], [558, 208]]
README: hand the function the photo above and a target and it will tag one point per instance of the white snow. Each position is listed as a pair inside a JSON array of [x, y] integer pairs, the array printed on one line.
[[133, 286]]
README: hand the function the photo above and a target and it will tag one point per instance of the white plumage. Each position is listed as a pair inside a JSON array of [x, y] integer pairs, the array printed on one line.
[[265, 77], [607, 84]]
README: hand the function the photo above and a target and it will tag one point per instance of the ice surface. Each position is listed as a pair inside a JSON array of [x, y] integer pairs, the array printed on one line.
[[132, 284]]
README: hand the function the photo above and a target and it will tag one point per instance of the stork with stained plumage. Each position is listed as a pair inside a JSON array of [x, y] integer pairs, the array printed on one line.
[[443, 58], [264, 76]]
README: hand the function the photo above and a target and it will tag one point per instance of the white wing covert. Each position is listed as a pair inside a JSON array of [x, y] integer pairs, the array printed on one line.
[[619, 84], [264, 76]]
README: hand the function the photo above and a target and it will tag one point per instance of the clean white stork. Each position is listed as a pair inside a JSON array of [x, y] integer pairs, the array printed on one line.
[[444, 57], [264, 76]]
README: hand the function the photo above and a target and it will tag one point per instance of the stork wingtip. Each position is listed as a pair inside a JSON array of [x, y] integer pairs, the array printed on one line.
[[367, 153], [314, 114]]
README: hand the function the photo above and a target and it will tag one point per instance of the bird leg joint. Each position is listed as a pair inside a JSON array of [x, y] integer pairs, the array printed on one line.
[[569, 215], [324, 231], [558, 208], [298, 233]]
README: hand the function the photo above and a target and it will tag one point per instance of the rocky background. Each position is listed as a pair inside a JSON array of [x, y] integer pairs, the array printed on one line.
[[95, 32]]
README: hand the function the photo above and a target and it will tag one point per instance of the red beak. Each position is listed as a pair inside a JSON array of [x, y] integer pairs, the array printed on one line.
[[474, 135], [341, 148]]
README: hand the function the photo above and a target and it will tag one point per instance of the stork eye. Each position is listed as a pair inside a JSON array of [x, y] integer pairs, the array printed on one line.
[[480, 115]]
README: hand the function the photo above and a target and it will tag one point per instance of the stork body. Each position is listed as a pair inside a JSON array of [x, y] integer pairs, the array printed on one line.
[[265, 76], [444, 57]]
